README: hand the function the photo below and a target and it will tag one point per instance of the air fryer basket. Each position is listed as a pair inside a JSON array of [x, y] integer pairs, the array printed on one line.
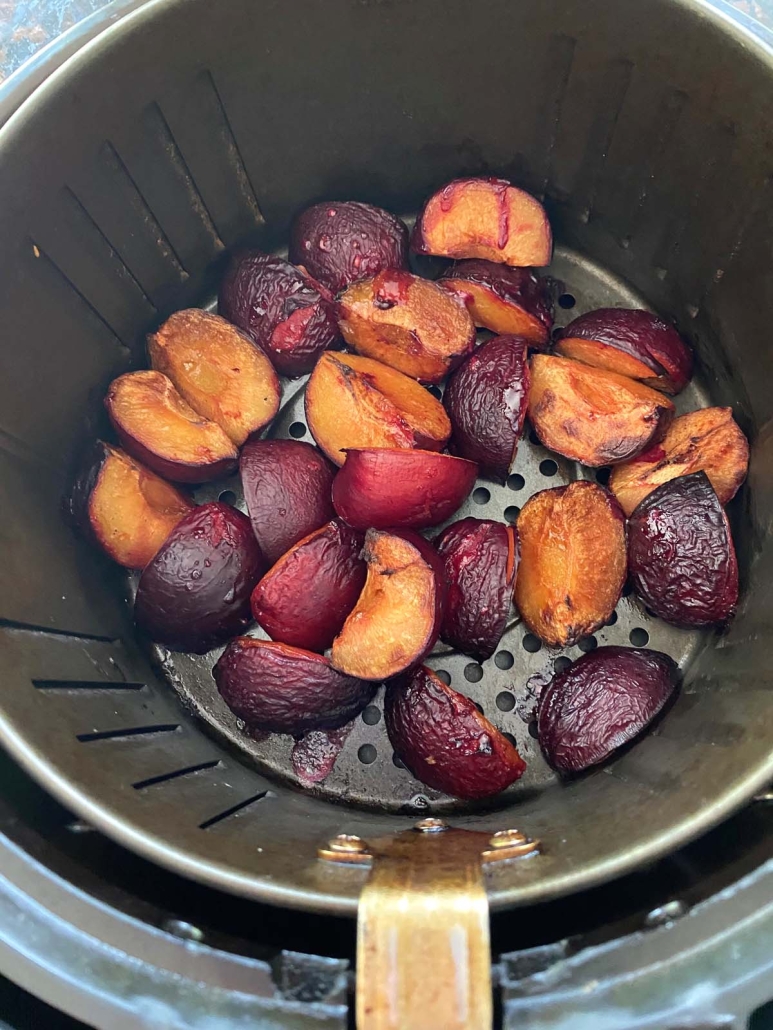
[[190, 127]]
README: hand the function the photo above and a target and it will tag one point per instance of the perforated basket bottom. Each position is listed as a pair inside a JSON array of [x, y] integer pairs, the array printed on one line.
[[366, 773]]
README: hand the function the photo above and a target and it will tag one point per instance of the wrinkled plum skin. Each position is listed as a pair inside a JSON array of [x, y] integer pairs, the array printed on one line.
[[287, 486], [486, 400], [681, 557], [339, 243], [260, 292], [519, 286], [642, 335], [481, 560], [286, 690], [600, 702], [195, 594], [304, 601], [443, 739]]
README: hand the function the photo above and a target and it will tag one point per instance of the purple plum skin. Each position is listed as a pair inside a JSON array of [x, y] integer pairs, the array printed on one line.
[[195, 594], [341, 242], [681, 557], [600, 702], [285, 312]]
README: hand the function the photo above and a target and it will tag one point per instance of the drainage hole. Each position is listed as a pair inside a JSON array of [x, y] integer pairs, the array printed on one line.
[[481, 495], [639, 637], [587, 643], [531, 643], [479, 707], [228, 497], [627, 590], [548, 467], [397, 762], [602, 475], [443, 675], [533, 438], [371, 715], [367, 754], [503, 660], [516, 481], [511, 513], [435, 391], [562, 663], [533, 729], [473, 672], [505, 701], [566, 301], [611, 620], [511, 738], [297, 430]]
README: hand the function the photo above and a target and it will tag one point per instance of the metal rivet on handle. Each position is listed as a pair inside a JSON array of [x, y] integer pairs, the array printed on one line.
[[348, 843], [431, 825]]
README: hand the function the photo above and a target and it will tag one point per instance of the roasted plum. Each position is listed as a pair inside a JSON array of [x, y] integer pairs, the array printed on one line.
[[510, 301], [708, 440], [281, 308], [443, 739], [195, 594], [305, 597], [486, 399], [632, 343], [601, 701], [127, 509], [379, 487], [681, 556], [283, 689], [484, 218], [397, 618], [357, 402], [158, 428], [287, 486], [408, 323], [218, 370], [481, 560], [573, 561], [593, 416], [341, 242]]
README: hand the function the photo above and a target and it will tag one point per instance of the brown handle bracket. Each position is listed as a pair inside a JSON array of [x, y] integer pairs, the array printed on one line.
[[423, 951]]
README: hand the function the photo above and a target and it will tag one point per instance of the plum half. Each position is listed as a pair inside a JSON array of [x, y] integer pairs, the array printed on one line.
[[380, 488], [218, 370], [341, 242], [681, 556], [397, 618], [408, 323], [573, 561], [509, 301], [486, 399], [632, 343], [481, 561], [305, 597], [484, 218], [287, 488], [444, 740], [353, 401], [281, 308], [195, 594], [160, 429], [127, 509], [708, 439], [591, 415], [601, 701], [282, 689]]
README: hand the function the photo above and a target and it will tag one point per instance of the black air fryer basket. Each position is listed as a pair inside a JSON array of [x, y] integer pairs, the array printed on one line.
[[191, 127]]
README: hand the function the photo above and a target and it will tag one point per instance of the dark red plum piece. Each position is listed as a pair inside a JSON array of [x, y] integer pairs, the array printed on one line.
[[282, 309], [601, 701], [443, 739], [287, 486], [383, 488], [509, 301], [681, 557], [480, 558], [305, 597], [631, 342], [282, 689], [195, 594], [341, 242], [486, 399]]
